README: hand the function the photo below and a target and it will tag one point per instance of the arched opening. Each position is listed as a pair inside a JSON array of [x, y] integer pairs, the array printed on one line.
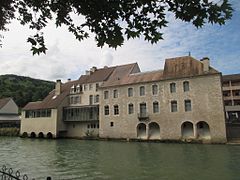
[[187, 130], [154, 131], [203, 130], [24, 135], [141, 130], [32, 135], [49, 135], [41, 135]]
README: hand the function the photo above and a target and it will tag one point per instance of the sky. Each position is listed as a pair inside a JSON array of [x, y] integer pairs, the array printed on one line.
[[68, 58]]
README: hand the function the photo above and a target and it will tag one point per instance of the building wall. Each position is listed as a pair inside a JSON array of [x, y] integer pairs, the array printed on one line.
[[207, 105], [9, 108], [40, 124], [82, 129]]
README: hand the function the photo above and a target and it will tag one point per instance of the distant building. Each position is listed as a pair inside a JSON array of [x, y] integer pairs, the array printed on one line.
[[9, 113], [181, 102], [231, 96]]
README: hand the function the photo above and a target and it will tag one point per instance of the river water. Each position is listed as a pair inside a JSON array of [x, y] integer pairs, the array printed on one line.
[[88, 160]]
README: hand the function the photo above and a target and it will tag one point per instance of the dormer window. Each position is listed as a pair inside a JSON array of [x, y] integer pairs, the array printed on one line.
[[72, 89], [78, 88]]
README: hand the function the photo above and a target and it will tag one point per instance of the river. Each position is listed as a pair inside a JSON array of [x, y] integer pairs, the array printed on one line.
[[88, 160]]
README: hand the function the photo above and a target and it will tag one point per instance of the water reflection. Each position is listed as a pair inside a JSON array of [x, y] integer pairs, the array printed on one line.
[[77, 159]]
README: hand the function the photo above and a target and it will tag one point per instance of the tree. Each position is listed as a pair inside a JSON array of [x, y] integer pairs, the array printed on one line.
[[111, 21]]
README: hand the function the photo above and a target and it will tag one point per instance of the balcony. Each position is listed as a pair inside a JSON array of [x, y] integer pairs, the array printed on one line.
[[143, 116]]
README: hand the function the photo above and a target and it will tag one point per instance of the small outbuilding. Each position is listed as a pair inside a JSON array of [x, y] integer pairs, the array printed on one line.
[[9, 113]]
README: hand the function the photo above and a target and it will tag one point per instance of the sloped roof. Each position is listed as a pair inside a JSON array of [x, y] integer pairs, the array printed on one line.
[[4, 101], [98, 76], [119, 75], [231, 77], [185, 66], [178, 67], [52, 101]]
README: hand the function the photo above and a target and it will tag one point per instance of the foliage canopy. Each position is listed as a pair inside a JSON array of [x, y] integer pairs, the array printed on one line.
[[111, 21]]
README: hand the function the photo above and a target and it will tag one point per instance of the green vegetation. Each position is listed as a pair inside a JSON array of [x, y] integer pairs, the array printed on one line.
[[24, 89], [9, 131]]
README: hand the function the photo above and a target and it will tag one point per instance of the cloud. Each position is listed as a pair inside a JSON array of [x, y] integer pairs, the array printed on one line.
[[68, 58]]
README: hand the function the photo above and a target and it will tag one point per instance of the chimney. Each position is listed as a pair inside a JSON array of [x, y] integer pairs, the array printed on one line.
[[205, 62], [58, 87], [87, 72], [93, 69]]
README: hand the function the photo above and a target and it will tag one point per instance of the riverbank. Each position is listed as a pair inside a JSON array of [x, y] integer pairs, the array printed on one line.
[[9, 131]]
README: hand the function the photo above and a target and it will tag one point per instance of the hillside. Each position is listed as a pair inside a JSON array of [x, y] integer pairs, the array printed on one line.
[[24, 89]]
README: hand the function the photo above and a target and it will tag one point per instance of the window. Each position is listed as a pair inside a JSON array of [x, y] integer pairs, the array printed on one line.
[[90, 86], [130, 109], [106, 110], [71, 100], [155, 107], [188, 106], [96, 100], [154, 89], [97, 86], [143, 109], [85, 87], [115, 93], [130, 92], [76, 99], [111, 124], [116, 109], [173, 87], [105, 94], [142, 91], [91, 99], [173, 106], [185, 86]]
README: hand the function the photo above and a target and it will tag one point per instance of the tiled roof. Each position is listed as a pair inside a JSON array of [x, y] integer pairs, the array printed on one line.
[[120, 74], [52, 101], [98, 76], [231, 77], [4, 101]]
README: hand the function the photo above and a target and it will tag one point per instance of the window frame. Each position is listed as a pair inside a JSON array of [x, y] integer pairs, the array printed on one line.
[[187, 102], [153, 91], [158, 109], [130, 110], [115, 109], [174, 106], [173, 88], [106, 109], [186, 86], [130, 94], [142, 93], [106, 94]]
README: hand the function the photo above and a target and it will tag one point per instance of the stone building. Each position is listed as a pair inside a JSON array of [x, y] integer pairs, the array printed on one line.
[[182, 101], [9, 113]]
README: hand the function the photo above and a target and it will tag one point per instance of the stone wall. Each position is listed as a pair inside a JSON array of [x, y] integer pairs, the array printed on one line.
[[206, 101]]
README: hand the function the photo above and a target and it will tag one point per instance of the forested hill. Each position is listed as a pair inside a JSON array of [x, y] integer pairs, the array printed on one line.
[[24, 89]]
